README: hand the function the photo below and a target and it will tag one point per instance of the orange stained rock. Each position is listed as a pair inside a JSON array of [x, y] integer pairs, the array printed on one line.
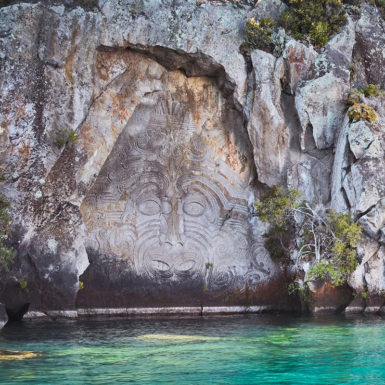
[[68, 66], [322, 291], [24, 150]]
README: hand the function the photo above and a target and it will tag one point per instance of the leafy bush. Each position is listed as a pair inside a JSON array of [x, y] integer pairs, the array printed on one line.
[[7, 254], [341, 255], [316, 20], [66, 137], [372, 90], [357, 109], [276, 208], [361, 111], [259, 33], [326, 240]]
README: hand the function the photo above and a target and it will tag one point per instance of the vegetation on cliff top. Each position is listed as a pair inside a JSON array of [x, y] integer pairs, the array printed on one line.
[[312, 21], [259, 33]]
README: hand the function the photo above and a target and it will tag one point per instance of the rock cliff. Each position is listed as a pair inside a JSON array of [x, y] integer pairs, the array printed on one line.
[[175, 134]]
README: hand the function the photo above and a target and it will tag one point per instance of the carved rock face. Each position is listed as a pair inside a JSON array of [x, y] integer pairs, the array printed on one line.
[[170, 206], [163, 204]]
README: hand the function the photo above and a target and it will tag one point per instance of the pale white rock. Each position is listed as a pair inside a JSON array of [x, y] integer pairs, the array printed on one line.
[[374, 277], [340, 47], [311, 176], [181, 25], [357, 278], [320, 100], [360, 137], [3, 316], [374, 220], [299, 58], [62, 313], [320, 107], [269, 8], [34, 315], [340, 164], [267, 129], [364, 185]]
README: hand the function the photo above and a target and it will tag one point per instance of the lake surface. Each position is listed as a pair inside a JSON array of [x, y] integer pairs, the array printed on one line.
[[254, 349]]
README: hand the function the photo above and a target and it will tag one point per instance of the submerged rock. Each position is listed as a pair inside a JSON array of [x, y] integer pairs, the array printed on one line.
[[16, 355]]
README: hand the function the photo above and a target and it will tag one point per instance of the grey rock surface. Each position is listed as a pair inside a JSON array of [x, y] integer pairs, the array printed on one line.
[[3, 316]]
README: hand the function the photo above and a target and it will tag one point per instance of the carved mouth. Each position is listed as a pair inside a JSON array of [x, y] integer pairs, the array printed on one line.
[[161, 268], [166, 264], [171, 262]]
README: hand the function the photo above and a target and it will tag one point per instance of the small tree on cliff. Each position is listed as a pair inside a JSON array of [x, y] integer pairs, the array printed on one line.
[[299, 232]]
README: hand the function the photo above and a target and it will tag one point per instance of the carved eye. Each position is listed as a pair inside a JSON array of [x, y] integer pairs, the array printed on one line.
[[186, 265], [193, 208], [149, 207], [160, 265]]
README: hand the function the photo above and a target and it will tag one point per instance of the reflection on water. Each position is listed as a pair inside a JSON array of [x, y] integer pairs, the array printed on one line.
[[215, 350]]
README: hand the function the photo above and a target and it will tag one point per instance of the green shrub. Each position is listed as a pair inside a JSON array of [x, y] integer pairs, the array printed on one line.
[[361, 111], [297, 230], [357, 110], [372, 90], [66, 137], [276, 205], [314, 20], [341, 255], [320, 33], [302, 290], [258, 33], [276, 208]]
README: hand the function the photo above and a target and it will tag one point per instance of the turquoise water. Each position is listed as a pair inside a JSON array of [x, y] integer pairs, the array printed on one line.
[[215, 350]]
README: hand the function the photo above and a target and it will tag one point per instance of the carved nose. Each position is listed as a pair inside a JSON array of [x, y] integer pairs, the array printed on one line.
[[174, 240], [172, 219]]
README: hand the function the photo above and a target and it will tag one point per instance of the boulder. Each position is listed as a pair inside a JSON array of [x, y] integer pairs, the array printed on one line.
[[3, 316]]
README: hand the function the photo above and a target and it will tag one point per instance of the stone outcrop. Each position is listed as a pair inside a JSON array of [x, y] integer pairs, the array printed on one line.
[[177, 135], [3, 316]]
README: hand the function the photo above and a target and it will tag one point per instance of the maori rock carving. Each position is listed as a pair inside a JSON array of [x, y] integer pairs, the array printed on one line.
[[163, 206]]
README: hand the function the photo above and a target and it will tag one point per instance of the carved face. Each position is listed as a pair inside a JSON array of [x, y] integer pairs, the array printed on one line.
[[164, 204]]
